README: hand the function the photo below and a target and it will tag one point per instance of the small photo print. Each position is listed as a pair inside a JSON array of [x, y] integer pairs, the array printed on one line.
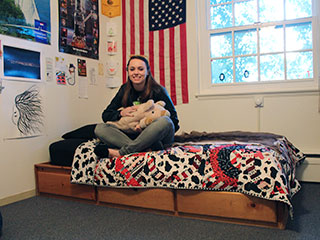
[[82, 68]]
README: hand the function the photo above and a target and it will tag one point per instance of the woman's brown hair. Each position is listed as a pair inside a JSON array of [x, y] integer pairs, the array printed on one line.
[[150, 86]]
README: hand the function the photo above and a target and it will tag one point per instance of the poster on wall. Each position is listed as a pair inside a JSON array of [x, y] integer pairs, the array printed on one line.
[[27, 19], [21, 64], [22, 110], [82, 68], [79, 27]]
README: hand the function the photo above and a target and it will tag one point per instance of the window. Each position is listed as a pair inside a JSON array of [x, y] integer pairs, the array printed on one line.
[[257, 45]]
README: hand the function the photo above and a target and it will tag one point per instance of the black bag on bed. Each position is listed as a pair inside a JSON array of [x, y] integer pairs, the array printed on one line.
[[61, 152]]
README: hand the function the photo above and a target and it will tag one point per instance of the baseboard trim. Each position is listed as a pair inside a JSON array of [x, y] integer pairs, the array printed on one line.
[[17, 197], [309, 169]]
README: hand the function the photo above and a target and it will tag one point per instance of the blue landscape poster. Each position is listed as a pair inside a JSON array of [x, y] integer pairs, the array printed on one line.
[[21, 63], [27, 19]]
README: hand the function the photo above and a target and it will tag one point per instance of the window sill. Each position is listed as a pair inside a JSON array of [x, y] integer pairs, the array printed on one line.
[[262, 88], [214, 95]]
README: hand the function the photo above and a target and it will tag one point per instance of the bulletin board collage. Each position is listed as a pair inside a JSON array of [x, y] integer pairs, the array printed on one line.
[[24, 70]]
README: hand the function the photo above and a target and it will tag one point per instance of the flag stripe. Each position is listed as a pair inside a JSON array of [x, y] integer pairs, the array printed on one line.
[[151, 52], [124, 42], [167, 66], [132, 28], [161, 58], [141, 26], [172, 65], [156, 52], [184, 63], [178, 66]]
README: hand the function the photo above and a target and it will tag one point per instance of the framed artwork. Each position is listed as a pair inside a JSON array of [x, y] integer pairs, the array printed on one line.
[[21, 64]]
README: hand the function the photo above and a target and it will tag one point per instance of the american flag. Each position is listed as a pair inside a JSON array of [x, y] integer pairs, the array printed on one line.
[[157, 29]]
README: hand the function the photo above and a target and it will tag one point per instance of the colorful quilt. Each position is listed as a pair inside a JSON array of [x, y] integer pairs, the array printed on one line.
[[251, 168]]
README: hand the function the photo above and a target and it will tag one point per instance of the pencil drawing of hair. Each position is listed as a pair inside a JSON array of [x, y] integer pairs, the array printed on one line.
[[29, 111]]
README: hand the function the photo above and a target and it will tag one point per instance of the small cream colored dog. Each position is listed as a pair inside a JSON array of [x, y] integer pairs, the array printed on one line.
[[146, 113]]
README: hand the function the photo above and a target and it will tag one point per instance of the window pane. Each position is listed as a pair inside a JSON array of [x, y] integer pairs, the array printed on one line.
[[271, 39], [271, 10], [299, 36], [222, 71], [246, 69], [221, 16], [245, 42], [244, 51], [221, 45], [212, 2], [298, 9], [299, 65], [271, 67], [245, 13]]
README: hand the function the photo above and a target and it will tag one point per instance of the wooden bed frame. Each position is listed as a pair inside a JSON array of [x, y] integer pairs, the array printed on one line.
[[232, 207]]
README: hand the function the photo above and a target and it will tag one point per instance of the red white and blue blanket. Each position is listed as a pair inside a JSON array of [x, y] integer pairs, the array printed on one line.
[[262, 170]]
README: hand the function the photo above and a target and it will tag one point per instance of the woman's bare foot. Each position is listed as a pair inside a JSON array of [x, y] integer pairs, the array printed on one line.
[[113, 153]]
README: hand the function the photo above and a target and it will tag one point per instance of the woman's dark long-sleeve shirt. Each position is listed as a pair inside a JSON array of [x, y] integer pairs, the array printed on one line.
[[111, 113]]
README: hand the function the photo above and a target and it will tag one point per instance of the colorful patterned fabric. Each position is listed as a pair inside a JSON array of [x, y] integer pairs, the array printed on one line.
[[250, 168]]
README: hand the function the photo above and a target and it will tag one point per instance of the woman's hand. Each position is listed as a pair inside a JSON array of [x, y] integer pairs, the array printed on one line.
[[128, 111]]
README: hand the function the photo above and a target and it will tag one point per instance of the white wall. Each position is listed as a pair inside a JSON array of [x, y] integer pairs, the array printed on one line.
[[293, 115], [65, 111]]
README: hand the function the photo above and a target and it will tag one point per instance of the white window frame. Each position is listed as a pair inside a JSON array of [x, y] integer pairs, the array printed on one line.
[[288, 86]]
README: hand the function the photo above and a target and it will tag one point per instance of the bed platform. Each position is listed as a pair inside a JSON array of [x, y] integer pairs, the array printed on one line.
[[54, 180], [223, 206], [238, 177]]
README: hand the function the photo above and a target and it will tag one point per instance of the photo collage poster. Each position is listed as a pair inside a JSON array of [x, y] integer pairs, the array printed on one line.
[[79, 27]]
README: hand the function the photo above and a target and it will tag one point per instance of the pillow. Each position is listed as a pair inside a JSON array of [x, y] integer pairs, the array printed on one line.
[[85, 132], [62, 152]]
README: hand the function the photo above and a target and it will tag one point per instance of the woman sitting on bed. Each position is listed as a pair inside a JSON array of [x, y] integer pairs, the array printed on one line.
[[139, 88]]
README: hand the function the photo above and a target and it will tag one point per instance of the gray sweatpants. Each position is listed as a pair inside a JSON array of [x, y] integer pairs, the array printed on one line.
[[160, 131]]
